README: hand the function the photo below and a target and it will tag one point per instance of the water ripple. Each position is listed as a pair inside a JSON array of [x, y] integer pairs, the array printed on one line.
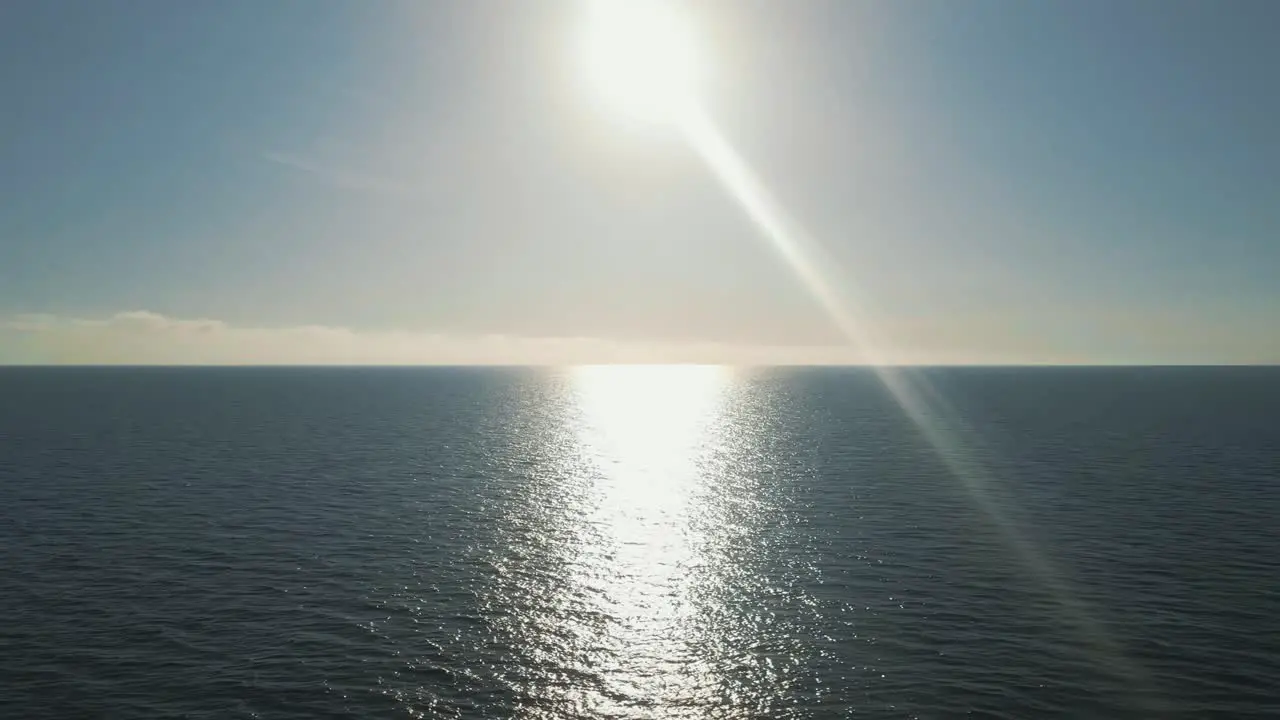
[[623, 543]]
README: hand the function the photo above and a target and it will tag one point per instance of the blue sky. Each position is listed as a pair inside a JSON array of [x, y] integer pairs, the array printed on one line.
[[328, 181]]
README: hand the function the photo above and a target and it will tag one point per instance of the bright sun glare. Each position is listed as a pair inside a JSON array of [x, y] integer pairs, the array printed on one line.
[[645, 428], [641, 58]]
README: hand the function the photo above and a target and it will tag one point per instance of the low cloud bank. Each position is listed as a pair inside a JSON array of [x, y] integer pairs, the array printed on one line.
[[147, 338], [142, 337]]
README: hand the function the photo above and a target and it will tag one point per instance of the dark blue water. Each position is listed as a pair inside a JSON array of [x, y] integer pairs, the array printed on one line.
[[665, 543]]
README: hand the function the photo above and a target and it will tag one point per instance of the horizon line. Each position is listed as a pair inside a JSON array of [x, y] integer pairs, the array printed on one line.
[[860, 366]]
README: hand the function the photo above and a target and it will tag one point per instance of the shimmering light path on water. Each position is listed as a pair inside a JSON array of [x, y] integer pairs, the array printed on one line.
[[629, 542]]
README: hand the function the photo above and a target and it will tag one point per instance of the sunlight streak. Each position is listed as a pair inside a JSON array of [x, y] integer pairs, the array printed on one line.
[[640, 56], [801, 253], [927, 409]]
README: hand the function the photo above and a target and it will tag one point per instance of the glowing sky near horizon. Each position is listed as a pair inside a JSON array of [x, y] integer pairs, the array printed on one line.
[[1059, 182]]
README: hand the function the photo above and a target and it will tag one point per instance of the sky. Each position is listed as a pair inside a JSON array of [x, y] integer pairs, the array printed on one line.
[[316, 181]]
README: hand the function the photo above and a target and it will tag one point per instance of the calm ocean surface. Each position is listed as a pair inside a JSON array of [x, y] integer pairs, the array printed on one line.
[[657, 543]]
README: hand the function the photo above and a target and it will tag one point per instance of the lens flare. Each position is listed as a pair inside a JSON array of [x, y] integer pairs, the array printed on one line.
[[956, 447], [641, 57]]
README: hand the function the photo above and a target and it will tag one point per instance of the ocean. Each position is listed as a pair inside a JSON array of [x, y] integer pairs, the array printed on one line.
[[647, 542]]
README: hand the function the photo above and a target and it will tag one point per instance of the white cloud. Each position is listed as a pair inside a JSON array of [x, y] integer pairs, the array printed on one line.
[[148, 338], [343, 178], [145, 338]]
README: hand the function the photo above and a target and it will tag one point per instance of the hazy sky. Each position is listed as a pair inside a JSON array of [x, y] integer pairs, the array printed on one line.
[[378, 181]]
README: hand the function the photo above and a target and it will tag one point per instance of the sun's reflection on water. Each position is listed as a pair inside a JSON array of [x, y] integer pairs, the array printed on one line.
[[639, 601], [647, 430]]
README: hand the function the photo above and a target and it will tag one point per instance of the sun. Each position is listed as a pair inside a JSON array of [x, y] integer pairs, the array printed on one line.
[[640, 58]]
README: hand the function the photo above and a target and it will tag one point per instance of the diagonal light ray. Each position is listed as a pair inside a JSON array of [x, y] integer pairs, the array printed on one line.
[[937, 422], [787, 236]]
